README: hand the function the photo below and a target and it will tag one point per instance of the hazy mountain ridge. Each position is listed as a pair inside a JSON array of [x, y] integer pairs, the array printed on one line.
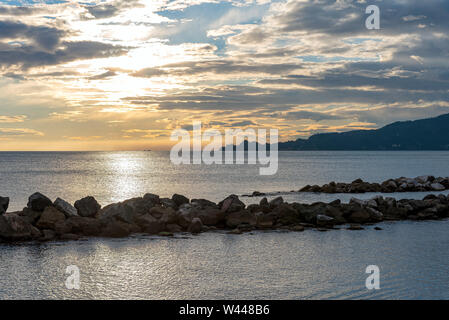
[[423, 134]]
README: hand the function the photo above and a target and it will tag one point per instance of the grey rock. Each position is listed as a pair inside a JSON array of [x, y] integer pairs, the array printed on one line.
[[437, 187], [66, 208], [231, 204]]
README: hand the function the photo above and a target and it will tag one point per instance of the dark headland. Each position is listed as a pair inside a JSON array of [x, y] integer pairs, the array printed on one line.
[[426, 134]]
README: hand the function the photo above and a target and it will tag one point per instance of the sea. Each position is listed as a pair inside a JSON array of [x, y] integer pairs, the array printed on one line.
[[412, 257]]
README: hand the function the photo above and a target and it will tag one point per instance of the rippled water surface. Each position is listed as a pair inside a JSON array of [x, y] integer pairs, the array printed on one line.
[[413, 256], [115, 176]]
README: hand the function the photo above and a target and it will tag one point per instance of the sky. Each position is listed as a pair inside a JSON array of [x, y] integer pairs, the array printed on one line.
[[122, 75]]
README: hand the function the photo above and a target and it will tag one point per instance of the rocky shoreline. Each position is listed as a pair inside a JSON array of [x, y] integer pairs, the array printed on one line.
[[44, 220], [403, 184]]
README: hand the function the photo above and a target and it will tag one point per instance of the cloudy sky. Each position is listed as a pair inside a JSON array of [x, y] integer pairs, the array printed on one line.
[[121, 75]]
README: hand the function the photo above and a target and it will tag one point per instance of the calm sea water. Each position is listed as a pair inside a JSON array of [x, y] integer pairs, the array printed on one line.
[[413, 256]]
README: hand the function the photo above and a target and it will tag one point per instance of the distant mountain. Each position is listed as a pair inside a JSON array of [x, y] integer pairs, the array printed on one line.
[[425, 134]]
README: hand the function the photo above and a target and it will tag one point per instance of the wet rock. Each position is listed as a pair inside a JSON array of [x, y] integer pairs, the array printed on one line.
[[166, 234], [297, 228], [210, 216], [235, 231], [276, 202], [38, 202], [66, 208], [169, 216], [265, 220], [195, 226], [286, 214], [14, 228], [87, 207], [168, 203], [203, 203], [258, 194], [4, 204], [324, 221], [231, 204], [437, 187], [116, 229], [235, 219], [152, 199], [378, 228], [355, 227], [150, 224], [263, 202], [253, 207], [30, 215], [69, 237], [122, 211], [179, 199], [360, 216], [84, 226], [48, 235], [374, 214], [175, 228], [49, 218]]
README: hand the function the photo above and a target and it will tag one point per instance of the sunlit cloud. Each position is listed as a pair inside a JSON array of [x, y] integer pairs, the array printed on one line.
[[123, 74]]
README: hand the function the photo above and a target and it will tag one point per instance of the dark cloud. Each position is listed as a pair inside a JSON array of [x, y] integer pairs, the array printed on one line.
[[252, 98], [108, 10], [348, 17], [19, 11], [309, 115], [31, 56], [215, 67], [105, 75], [44, 37]]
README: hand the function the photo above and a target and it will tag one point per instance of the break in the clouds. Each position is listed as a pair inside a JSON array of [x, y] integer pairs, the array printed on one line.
[[122, 74]]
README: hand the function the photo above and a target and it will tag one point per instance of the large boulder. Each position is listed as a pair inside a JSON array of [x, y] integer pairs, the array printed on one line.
[[359, 216], [195, 226], [210, 216], [49, 218], [169, 216], [38, 202], [118, 211], [179, 199], [168, 203], [276, 202], [80, 226], [437, 187], [203, 203], [116, 229], [235, 219], [324, 221], [87, 207], [287, 214], [4, 204], [265, 220], [231, 204], [66, 208], [150, 224], [14, 228]]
